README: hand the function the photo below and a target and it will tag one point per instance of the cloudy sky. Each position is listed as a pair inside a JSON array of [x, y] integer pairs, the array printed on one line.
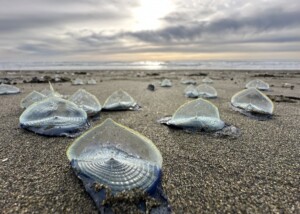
[[109, 30]]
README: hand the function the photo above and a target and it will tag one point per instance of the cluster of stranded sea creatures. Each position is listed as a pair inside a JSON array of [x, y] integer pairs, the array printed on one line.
[[111, 158]]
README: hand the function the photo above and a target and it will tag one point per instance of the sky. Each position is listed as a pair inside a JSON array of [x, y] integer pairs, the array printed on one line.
[[149, 30]]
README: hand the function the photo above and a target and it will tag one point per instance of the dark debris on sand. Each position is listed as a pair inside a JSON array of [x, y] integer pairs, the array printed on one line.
[[282, 98]]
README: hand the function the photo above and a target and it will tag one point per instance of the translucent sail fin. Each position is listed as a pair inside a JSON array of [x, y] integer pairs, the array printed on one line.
[[120, 160], [258, 84], [252, 100], [207, 91], [120, 100], [31, 98], [87, 101], [77, 81], [166, 83], [197, 114], [191, 91], [207, 80], [54, 116], [8, 89]]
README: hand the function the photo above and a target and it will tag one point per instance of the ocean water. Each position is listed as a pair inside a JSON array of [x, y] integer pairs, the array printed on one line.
[[154, 65]]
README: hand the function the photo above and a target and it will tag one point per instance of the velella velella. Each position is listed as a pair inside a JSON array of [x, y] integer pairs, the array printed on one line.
[[188, 82], [111, 159], [87, 101], [200, 115], [46, 92], [207, 80], [57, 78], [206, 91], [120, 100], [31, 98], [288, 85], [252, 102], [8, 89], [191, 91], [166, 83], [50, 92], [91, 82], [259, 84], [77, 81], [54, 116]]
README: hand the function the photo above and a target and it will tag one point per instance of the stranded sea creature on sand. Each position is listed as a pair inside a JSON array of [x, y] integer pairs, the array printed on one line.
[[35, 96], [207, 80], [259, 84], [77, 81], [188, 82], [288, 85], [8, 89], [200, 115], [166, 83], [112, 160], [251, 102], [191, 91], [50, 92], [197, 114], [120, 100], [85, 100], [57, 78], [54, 116], [206, 91], [91, 82], [31, 98]]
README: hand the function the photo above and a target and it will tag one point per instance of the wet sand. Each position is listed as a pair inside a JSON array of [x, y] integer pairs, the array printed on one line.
[[259, 172]]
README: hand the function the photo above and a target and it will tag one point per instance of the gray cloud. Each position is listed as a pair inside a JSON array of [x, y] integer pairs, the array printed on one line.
[[270, 26], [69, 28], [47, 20], [273, 19], [45, 14]]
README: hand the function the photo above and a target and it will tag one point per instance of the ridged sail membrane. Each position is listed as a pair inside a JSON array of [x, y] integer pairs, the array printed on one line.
[[91, 82], [252, 100], [120, 100], [166, 83], [50, 92], [31, 98], [77, 81], [206, 91], [207, 80], [54, 116], [119, 161], [87, 101], [197, 114], [117, 157], [8, 89], [191, 91], [259, 84]]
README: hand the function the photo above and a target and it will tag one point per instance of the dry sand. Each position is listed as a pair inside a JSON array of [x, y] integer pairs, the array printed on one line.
[[259, 172]]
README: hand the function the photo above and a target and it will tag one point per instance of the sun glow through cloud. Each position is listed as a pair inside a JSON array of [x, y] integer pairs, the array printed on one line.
[[149, 30], [148, 14]]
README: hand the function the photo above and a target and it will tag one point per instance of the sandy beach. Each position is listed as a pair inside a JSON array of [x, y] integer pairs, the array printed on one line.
[[258, 172]]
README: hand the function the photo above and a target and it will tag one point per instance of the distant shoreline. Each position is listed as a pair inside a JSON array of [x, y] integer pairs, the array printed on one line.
[[151, 70], [152, 66]]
